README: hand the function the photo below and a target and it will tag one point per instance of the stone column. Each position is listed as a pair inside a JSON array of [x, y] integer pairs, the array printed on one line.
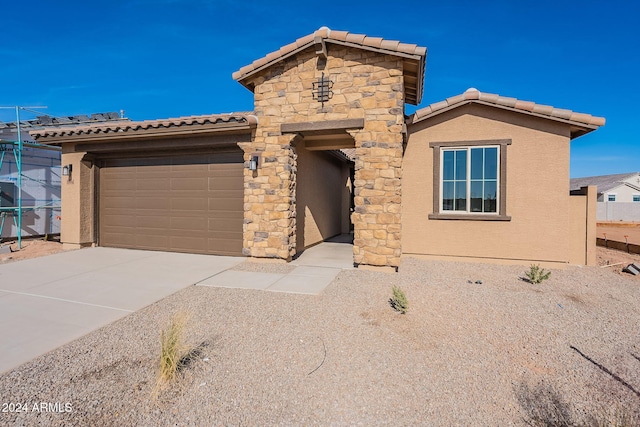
[[269, 197], [378, 196]]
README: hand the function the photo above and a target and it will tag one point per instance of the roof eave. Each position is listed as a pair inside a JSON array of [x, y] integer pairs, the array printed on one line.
[[98, 135], [245, 79], [577, 128]]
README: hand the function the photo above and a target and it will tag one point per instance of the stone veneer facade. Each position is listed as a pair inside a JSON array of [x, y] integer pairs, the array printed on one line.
[[366, 85]]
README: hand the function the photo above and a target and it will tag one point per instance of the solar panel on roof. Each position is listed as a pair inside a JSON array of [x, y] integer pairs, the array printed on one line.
[[44, 120]]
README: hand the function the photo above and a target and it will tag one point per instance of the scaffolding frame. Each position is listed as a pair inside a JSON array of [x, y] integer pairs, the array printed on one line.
[[17, 147]]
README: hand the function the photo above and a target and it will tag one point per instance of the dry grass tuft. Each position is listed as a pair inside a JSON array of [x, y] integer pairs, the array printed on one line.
[[173, 350]]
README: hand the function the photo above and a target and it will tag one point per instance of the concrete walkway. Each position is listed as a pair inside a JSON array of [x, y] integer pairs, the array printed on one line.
[[314, 270], [49, 301]]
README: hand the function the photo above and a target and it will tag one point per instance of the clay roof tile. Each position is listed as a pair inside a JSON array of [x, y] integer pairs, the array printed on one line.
[[507, 102], [355, 38], [543, 109], [373, 41], [389, 44], [407, 48], [561, 113], [455, 99], [304, 40], [322, 32], [473, 94], [339, 35], [524, 105]]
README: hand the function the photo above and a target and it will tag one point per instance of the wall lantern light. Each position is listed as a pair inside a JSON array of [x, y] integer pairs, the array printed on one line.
[[253, 163], [66, 170]]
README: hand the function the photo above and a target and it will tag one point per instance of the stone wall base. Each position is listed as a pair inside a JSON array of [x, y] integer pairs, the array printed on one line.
[[378, 268]]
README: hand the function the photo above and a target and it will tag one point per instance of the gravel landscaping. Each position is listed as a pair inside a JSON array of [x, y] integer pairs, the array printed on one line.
[[499, 352]]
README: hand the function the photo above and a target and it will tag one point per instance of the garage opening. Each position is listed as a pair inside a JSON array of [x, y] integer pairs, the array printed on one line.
[[178, 203]]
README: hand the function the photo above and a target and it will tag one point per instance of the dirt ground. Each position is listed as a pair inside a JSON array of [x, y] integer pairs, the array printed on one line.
[[31, 248], [618, 231], [479, 346]]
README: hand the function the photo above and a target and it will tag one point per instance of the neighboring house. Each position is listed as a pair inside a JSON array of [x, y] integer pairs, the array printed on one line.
[[40, 176], [328, 149], [618, 195]]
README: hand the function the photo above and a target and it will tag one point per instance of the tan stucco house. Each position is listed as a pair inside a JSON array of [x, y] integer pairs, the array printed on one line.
[[328, 149]]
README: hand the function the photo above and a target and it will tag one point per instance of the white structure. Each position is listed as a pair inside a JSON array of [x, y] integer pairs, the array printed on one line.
[[618, 195]]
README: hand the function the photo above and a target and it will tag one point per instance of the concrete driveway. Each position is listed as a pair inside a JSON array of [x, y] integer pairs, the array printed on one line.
[[49, 301]]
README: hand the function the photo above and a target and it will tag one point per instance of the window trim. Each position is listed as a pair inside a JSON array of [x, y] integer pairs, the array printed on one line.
[[502, 174], [615, 197]]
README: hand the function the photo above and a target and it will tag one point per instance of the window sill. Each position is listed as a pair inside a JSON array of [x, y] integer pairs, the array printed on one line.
[[469, 217]]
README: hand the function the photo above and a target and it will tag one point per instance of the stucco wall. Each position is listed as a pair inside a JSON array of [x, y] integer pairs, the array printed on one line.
[[77, 218], [537, 198], [583, 227], [321, 187]]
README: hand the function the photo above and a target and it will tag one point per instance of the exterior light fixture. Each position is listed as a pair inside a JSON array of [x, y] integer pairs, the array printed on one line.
[[253, 163], [66, 170]]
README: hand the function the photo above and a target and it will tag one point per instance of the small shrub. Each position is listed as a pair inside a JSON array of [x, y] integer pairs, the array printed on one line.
[[172, 349], [537, 274], [399, 300]]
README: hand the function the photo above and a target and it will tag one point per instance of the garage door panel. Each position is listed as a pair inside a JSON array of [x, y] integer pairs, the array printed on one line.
[[226, 246], [220, 223], [188, 183], [118, 239], [232, 182], [186, 222], [151, 241], [153, 184], [189, 244], [160, 222], [120, 220], [152, 203], [189, 204], [185, 204]]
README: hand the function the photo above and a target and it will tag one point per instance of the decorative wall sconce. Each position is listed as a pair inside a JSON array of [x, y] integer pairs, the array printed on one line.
[[253, 163], [66, 170]]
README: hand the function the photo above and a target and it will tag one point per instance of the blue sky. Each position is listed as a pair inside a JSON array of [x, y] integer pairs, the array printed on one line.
[[168, 58]]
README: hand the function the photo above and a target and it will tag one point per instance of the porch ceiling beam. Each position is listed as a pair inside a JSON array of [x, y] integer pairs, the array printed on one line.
[[326, 127], [329, 144]]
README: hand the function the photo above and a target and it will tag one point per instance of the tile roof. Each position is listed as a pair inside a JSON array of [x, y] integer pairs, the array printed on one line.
[[132, 126], [586, 122], [411, 52], [603, 182]]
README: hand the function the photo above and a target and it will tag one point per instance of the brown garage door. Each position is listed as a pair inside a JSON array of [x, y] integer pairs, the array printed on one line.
[[181, 204]]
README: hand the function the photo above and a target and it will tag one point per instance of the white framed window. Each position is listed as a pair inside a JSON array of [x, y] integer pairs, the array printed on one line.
[[611, 197], [470, 177], [636, 197], [470, 180]]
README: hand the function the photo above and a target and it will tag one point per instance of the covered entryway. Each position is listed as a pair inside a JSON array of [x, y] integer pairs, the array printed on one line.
[[323, 196], [179, 203]]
